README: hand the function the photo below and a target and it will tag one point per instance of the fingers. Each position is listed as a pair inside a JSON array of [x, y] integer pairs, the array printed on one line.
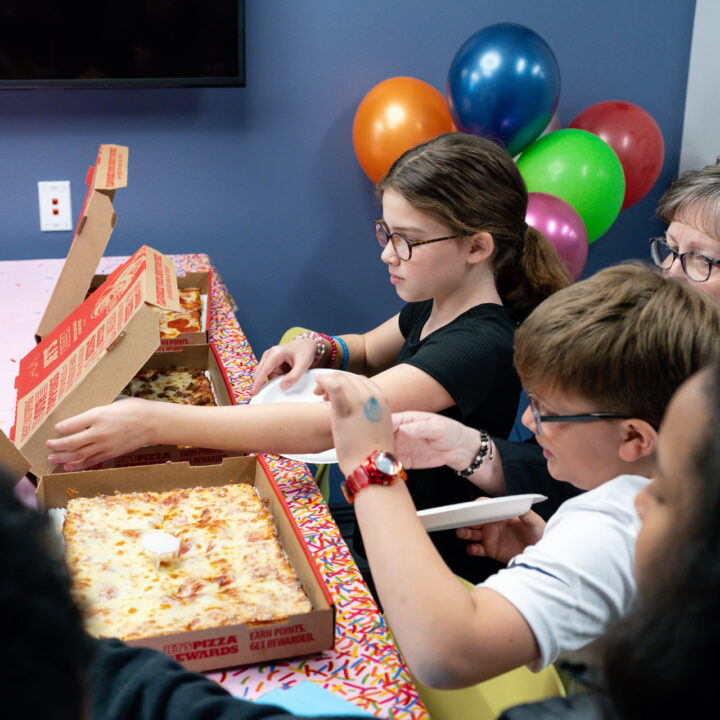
[[88, 462], [75, 424], [334, 387], [473, 533], [411, 416], [263, 371], [476, 549]]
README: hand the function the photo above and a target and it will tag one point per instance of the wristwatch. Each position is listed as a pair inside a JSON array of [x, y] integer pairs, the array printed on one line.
[[380, 468]]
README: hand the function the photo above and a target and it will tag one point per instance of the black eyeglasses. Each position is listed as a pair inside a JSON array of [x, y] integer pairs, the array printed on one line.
[[696, 266], [403, 246], [579, 418]]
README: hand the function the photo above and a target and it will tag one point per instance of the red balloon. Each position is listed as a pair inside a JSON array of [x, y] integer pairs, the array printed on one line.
[[396, 115], [634, 136]]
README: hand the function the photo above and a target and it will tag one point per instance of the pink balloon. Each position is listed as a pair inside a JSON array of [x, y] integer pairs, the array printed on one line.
[[561, 224]]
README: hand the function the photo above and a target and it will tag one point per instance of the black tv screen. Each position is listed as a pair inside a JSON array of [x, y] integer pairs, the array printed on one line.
[[132, 43]]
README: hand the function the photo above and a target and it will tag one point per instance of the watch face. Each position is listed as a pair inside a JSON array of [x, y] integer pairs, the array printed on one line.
[[386, 463]]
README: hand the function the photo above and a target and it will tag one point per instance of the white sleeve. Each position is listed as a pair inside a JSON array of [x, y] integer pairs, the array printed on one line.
[[573, 583]]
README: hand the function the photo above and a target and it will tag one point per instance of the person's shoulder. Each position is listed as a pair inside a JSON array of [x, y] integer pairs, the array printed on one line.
[[413, 311], [613, 492]]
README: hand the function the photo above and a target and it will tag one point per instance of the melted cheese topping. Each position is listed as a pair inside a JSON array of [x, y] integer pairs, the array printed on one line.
[[187, 386], [189, 320], [230, 566]]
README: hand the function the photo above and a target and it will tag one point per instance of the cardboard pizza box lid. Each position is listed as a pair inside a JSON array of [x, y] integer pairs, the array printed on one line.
[[91, 355], [92, 233], [13, 461]]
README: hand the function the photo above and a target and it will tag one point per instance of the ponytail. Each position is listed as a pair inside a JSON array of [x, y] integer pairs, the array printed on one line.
[[472, 185], [527, 272]]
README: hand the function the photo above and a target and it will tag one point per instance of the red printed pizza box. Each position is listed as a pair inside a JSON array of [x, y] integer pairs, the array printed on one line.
[[92, 233], [91, 355], [200, 280], [227, 645], [201, 357]]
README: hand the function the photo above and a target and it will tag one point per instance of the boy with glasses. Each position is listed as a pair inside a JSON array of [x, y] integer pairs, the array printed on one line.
[[600, 361]]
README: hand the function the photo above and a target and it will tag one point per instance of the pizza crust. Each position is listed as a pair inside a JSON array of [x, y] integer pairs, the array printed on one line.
[[230, 567]]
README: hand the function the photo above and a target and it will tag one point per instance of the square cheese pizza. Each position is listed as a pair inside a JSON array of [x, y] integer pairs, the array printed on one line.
[[230, 567]]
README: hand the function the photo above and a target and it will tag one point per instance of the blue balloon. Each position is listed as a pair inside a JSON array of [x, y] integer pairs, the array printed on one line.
[[504, 84]]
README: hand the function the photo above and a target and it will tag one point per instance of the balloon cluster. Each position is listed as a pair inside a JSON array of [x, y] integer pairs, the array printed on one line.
[[504, 84]]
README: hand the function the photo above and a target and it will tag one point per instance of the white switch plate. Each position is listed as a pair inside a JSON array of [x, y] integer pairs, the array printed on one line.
[[55, 208]]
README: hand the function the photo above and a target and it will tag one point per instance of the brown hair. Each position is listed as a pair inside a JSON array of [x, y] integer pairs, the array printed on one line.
[[694, 197], [472, 185], [625, 339]]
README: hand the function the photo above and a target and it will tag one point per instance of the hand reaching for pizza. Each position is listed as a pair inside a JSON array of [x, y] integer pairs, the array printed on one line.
[[290, 359], [505, 539], [100, 434], [360, 417]]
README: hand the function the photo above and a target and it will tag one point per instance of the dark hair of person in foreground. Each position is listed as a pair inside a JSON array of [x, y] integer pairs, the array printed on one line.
[[45, 649], [662, 660]]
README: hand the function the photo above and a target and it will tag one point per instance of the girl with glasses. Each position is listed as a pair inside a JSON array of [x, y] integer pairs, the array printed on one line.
[[458, 252]]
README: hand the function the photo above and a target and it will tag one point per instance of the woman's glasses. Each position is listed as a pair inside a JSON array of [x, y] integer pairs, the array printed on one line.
[[403, 246], [696, 266]]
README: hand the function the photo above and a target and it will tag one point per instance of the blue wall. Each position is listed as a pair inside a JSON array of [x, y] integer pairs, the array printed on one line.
[[264, 178]]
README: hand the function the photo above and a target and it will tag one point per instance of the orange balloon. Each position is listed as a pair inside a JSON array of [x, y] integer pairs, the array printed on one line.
[[396, 115]]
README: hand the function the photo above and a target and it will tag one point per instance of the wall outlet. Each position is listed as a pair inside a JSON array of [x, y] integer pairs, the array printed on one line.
[[55, 208]]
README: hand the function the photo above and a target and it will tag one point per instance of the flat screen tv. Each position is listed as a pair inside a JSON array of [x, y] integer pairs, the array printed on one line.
[[121, 43]]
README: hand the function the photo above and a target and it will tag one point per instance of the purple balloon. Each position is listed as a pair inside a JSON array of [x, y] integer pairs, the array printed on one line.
[[561, 224]]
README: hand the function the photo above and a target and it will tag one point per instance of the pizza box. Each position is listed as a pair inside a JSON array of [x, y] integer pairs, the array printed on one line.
[[228, 645], [203, 357], [93, 353], [202, 280], [92, 233]]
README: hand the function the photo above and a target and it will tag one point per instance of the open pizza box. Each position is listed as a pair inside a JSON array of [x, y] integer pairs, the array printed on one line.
[[201, 357], [92, 233], [227, 645], [89, 358], [199, 280]]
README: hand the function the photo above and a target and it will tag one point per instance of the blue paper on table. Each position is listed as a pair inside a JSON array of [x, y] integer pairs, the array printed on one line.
[[310, 699]]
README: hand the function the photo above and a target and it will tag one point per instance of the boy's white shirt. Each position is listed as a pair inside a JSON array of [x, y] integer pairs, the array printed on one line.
[[578, 579]]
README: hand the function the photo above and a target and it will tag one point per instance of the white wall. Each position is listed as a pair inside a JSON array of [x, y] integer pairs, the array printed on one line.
[[701, 128]]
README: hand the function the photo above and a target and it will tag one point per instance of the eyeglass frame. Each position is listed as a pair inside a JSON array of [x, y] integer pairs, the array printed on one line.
[[410, 243], [576, 418], [711, 262]]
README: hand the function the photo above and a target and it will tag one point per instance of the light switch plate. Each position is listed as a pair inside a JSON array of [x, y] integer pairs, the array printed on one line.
[[55, 207]]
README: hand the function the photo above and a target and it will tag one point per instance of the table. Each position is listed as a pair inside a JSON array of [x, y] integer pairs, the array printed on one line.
[[365, 666]]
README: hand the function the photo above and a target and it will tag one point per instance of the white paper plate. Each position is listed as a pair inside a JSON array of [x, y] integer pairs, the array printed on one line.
[[301, 391], [477, 512]]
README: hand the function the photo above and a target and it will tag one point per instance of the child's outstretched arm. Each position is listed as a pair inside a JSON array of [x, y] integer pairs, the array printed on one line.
[[125, 425], [450, 637]]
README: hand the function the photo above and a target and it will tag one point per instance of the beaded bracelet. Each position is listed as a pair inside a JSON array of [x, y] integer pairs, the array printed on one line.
[[320, 345], [346, 356], [333, 352], [486, 447]]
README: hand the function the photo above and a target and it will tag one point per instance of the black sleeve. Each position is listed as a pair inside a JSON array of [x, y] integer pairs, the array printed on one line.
[[460, 360], [408, 316], [525, 471], [128, 683]]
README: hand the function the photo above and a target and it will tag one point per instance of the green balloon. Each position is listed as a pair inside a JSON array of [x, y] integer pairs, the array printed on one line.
[[580, 168]]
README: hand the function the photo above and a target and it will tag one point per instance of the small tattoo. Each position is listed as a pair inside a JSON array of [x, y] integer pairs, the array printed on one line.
[[372, 410]]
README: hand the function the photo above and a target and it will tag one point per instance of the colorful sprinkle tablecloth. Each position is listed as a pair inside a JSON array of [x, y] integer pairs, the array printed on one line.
[[365, 667]]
